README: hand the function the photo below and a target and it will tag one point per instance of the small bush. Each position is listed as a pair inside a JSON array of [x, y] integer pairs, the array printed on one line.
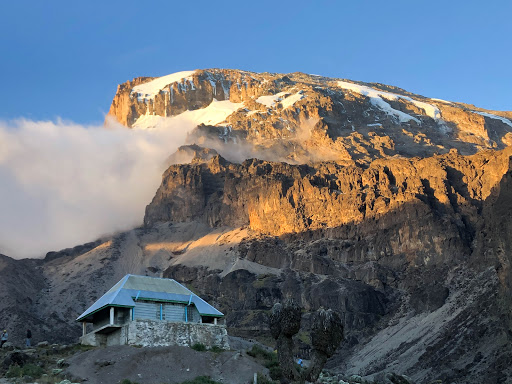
[[262, 379], [270, 360], [201, 380], [275, 373], [126, 381], [14, 371], [272, 363], [257, 351], [216, 349], [32, 370], [27, 370], [199, 347]]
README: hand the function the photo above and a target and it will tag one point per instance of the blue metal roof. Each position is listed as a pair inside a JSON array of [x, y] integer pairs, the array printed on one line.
[[133, 287]]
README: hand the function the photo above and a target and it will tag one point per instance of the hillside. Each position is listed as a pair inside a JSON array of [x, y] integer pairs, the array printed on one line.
[[391, 208]]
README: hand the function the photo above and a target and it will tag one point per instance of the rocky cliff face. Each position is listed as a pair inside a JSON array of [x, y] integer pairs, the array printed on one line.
[[413, 252], [279, 198]]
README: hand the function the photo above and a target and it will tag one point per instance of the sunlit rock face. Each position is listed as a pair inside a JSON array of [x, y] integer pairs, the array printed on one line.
[[299, 118], [280, 198]]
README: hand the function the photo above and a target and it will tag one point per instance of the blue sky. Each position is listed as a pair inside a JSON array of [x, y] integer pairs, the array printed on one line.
[[65, 59]]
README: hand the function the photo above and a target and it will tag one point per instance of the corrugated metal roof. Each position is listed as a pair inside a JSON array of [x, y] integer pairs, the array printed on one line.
[[130, 287], [155, 284]]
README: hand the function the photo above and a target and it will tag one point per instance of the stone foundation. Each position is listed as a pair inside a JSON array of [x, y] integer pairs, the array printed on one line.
[[150, 333]]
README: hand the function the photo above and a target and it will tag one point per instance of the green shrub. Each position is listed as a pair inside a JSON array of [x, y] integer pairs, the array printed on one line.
[[275, 373], [271, 363], [262, 379], [27, 370], [126, 381], [270, 360], [199, 347], [201, 380], [32, 371], [14, 371], [216, 349], [257, 351]]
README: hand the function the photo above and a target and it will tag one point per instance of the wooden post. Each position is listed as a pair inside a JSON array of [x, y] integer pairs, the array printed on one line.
[[84, 328], [131, 313], [255, 378], [215, 320], [111, 315]]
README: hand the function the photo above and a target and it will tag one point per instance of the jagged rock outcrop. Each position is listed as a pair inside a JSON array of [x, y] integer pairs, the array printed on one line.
[[298, 117], [278, 198]]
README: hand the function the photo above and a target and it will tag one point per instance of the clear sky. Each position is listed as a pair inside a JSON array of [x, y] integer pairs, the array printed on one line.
[[65, 58]]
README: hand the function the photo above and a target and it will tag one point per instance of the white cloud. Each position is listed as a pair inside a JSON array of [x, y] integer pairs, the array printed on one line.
[[63, 184]]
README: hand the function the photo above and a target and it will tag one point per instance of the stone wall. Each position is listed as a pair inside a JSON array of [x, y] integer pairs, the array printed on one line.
[[90, 339], [151, 333]]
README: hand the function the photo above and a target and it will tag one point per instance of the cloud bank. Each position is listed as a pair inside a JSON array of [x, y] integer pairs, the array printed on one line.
[[63, 184]]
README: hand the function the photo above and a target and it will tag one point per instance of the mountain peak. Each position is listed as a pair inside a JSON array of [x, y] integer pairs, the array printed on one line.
[[305, 117]]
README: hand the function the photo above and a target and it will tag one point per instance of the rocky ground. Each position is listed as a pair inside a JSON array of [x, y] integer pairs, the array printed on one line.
[[71, 364], [57, 363]]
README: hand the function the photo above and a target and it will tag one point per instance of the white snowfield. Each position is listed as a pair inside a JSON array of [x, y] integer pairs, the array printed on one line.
[[151, 89], [292, 99], [213, 114], [271, 100], [490, 115], [376, 98]]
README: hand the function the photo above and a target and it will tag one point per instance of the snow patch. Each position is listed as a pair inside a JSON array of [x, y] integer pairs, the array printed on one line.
[[292, 99], [270, 100], [376, 99], [490, 115], [149, 90], [286, 101], [213, 114], [430, 110]]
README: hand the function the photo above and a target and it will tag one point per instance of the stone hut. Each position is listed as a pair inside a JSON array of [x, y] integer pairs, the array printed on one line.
[[150, 311]]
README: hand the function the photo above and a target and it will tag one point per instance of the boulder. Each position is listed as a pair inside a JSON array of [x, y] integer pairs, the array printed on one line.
[[15, 358]]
